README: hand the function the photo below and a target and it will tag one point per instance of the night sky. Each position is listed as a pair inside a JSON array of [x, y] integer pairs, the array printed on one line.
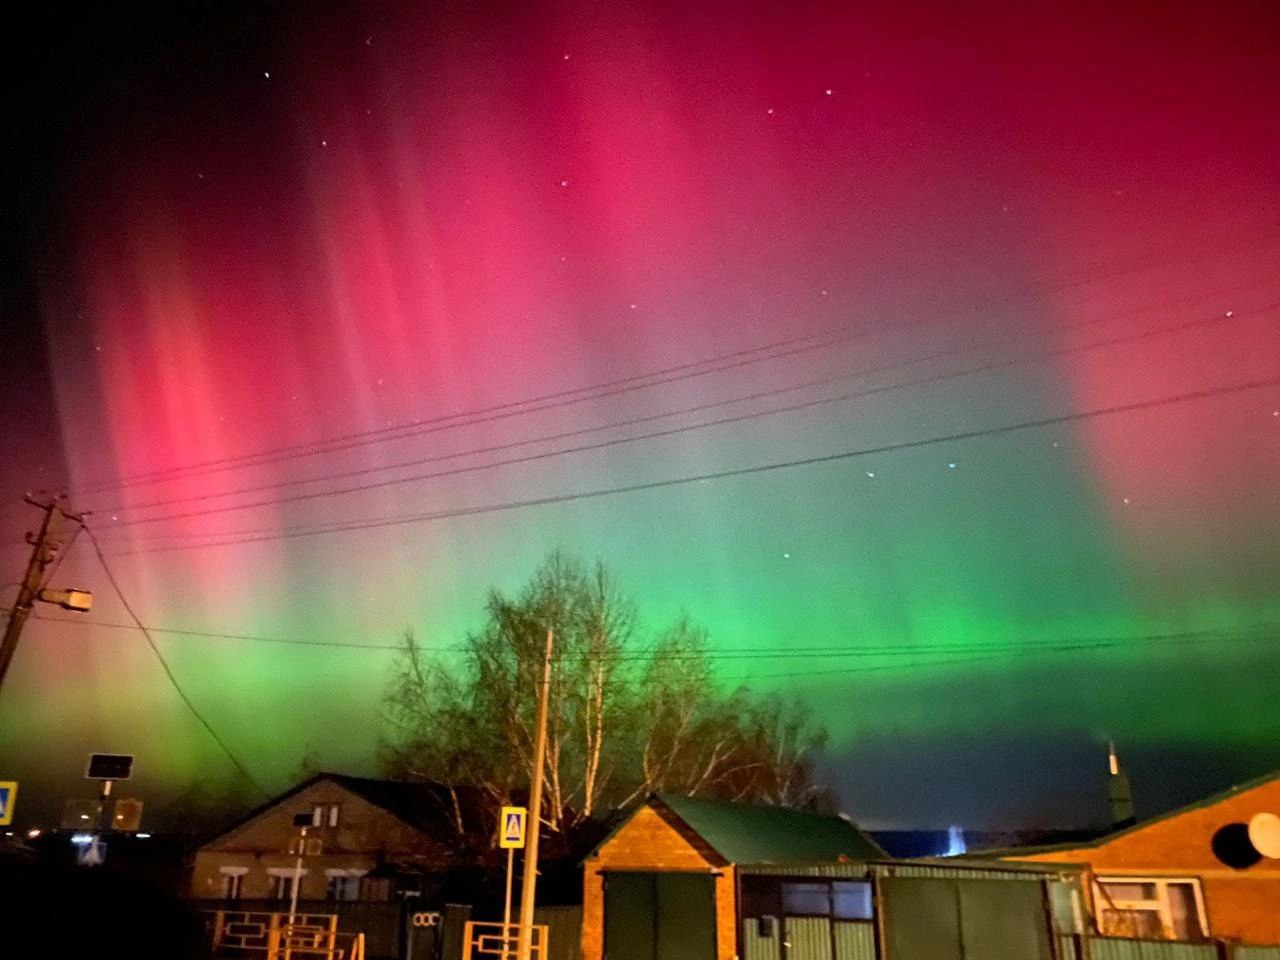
[[290, 273]]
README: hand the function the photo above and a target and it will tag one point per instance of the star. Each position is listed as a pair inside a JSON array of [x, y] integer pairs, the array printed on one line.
[[824, 293], [566, 56], [951, 466], [267, 74], [1126, 500], [871, 474], [1231, 313], [368, 41], [786, 556], [769, 111], [564, 183], [324, 143], [633, 306], [830, 91]]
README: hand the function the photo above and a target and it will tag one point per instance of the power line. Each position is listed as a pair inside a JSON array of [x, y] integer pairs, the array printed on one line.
[[550, 400], [686, 428], [244, 536], [1251, 633], [164, 664], [683, 411]]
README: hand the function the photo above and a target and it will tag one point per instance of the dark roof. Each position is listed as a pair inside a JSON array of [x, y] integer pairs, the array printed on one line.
[[742, 833], [1099, 839], [421, 804]]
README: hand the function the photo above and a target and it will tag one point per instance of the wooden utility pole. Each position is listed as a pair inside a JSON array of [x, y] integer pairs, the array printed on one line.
[[530, 879], [45, 546]]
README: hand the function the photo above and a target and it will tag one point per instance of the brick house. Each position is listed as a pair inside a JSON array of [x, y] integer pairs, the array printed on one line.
[[362, 833], [1189, 874]]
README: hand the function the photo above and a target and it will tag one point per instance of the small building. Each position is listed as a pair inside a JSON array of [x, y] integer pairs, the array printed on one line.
[[1191, 874], [361, 834], [687, 879]]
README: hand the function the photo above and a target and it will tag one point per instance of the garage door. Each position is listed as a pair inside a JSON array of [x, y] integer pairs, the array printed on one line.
[[928, 919], [659, 916]]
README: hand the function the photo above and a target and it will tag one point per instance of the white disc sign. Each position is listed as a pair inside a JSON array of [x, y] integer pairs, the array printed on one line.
[[1264, 834]]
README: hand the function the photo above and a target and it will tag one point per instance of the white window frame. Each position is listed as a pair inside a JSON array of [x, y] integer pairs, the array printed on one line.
[[325, 814], [232, 882], [346, 875], [1159, 906]]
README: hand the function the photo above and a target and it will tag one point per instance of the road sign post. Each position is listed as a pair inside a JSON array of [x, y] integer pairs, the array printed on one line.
[[511, 826]]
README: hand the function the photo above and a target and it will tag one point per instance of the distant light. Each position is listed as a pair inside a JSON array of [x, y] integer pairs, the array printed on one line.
[[33, 833], [1231, 313], [871, 474], [267, 74], [956, 844], [830, 91], [951, 466], [8, 833], [80, 839], [143, 836], [84, 816]]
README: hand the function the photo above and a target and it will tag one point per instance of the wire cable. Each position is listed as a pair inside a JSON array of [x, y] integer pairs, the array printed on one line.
[[684, 411], [231, 538], [573, 395], [164, 664]]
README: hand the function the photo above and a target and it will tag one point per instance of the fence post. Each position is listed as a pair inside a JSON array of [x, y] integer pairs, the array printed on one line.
[[1226, 950]]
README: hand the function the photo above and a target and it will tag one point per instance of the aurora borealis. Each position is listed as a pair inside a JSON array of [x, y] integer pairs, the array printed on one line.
[[380, 217]]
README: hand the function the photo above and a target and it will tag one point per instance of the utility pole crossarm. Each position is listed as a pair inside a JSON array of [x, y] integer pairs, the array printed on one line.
[[45, 546]]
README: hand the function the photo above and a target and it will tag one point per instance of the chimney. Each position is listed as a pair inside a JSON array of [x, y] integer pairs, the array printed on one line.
[[1119, 792]]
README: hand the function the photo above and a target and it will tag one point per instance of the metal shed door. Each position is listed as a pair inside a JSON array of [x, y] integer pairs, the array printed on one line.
[[659, 916]]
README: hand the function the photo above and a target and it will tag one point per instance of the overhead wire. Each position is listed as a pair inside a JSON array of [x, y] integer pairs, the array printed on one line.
[[990, 366], [231, 538], [164, 665], [526, 405]]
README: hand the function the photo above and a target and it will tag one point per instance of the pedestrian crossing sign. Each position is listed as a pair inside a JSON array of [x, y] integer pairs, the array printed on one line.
[[8, 795], [512, 822]]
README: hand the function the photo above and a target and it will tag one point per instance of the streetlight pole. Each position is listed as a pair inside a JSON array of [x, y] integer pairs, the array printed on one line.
[[530, 878]]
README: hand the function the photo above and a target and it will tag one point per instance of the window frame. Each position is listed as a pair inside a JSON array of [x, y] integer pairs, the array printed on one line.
[[1161, 906], [765, 891], [232, 886]]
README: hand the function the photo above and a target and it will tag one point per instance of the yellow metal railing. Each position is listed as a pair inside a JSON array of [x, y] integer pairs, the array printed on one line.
[[498, 941], [311, 936]]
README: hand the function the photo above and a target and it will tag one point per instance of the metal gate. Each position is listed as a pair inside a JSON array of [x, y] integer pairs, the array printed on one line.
[[659, 916]]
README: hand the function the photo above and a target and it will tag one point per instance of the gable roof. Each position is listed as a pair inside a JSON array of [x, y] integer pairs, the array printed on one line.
[[1107, 837], [421, 805], [743, 833]]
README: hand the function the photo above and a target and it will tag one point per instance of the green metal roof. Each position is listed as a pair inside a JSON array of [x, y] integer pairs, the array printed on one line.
[[742, 833]]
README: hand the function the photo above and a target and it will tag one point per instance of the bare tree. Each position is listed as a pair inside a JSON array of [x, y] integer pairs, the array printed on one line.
[[624, 718]]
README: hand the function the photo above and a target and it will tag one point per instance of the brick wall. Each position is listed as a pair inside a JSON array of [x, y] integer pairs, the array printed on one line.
[[649, 842], [1243, 905]]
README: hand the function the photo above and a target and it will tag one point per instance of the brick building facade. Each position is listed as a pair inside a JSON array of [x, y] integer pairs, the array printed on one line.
[[358, 829], [1187, 875]]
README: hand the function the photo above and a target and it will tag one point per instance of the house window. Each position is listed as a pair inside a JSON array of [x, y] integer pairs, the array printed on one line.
[[325, 814], [282, 886], [1150, 909], [343, 887], [231, 885], [806, 899], [851, 900]]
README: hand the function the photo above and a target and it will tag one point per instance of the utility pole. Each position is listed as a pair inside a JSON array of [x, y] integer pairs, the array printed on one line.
[[45, 546], [530, 878]]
